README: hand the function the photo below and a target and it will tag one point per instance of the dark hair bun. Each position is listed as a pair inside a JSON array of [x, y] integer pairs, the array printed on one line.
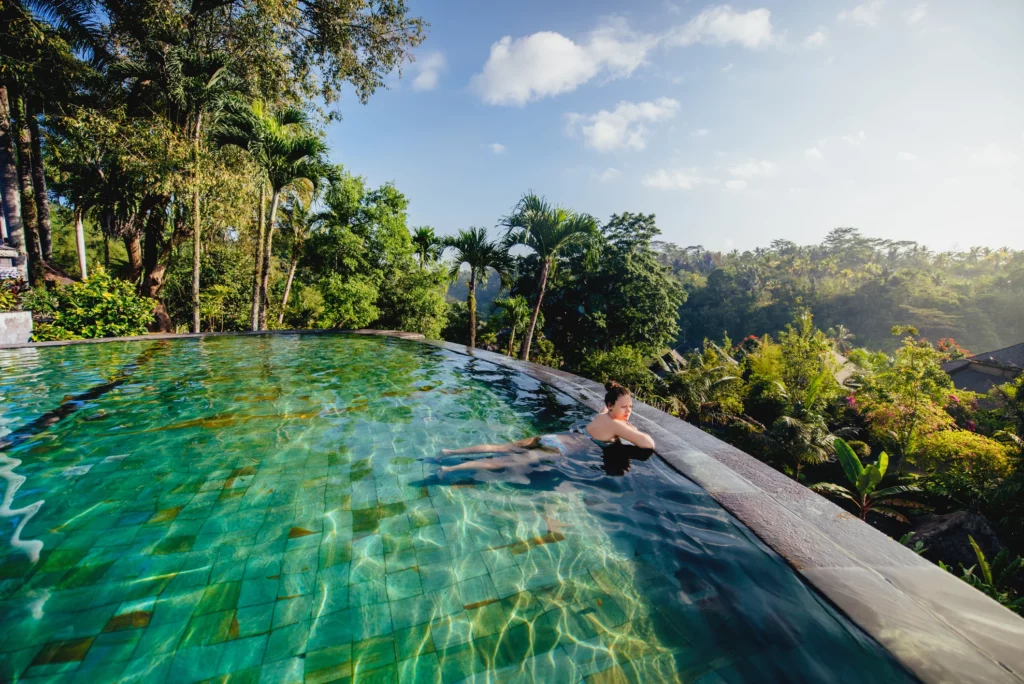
[[610, 385], [613, 391]]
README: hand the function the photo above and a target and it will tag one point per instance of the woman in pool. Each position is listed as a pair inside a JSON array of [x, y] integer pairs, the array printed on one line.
[[609, 427]]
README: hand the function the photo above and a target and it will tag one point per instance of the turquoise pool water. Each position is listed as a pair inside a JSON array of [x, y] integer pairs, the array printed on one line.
[[267, 509]]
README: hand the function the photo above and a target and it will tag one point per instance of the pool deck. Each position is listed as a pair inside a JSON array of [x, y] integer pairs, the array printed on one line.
[[934, 624]]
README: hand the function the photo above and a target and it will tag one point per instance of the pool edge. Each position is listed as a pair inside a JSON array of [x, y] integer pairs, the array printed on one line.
[[935, 625]]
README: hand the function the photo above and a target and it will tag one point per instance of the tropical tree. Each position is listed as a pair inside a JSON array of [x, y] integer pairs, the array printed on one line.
[[515, 314], [299, 221], [428, 246], [998, 579], [473, 248], [547, 230], [289, 153], [864, 481]]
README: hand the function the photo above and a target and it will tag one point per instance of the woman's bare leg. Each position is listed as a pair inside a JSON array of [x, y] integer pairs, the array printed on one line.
[[527, 443], [498, 462]]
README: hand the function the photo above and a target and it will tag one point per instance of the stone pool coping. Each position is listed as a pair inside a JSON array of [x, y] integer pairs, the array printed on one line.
[[934, 624]]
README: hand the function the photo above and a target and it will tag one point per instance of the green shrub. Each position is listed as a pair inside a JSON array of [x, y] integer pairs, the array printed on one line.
[[963, 451], [99, 307], [622, 364], [11, 292]]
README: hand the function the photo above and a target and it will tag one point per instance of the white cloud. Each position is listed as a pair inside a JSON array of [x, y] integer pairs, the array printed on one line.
[[428, 68], [916, 13], [676, 179], [754, 169], [816, 39], [867, 14], [907, 156], [728, 67], [813, 153], [608, 174], [497, 148], [723, 26], [856, 140], [736, 185], [991, 156], [546, 63], [700, 133], [622, 128]]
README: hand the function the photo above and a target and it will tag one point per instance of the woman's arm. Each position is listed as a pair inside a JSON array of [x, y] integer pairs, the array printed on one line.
[[635, 437]]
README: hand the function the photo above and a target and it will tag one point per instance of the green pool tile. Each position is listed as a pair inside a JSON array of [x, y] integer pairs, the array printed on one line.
[[487, 619], [400, 560], [477, 591], [330, 596], [431, 555], [367, 547], [423, 669], [262, 565], [110, 648], [290, 611], [371, 621], [509, 581], [84, 575], [371, 654], [296, 584], [254, 620], [367, 593], [413, 641], [242, 654], [192, 664], [460, 662], [289, 671], [218, 597], [258, 590], [179, 544], [469, 566], [497, 559], [431, 536], [300, 560], [423, 517], [162, 638], [395, 542], [403, 584], [62, 559], [227, 571], [328, 664], [204, 630], [521, 608], [381, 675], [437, 576], [451, 631], [286, 642], [366, 568], [335, 629]]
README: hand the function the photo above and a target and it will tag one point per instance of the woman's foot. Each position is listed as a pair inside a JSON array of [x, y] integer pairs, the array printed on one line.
[[447, 452]]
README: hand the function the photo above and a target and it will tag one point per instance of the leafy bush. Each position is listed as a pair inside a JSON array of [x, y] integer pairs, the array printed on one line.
[[962, 451], [99, 307], [349, 302], [11, 292], [622, 364], [996, 579]]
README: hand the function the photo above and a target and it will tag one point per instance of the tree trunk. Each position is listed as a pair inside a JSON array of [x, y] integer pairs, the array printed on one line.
[[28, 200], [80, 242], [545, 267], [133, 245], [39, 185], [511, 340], [9, 185], [259, 258], [106, 251], [3, 221], [196, 244], [154, 259], [288, 289], [471, 302], [275, 197]]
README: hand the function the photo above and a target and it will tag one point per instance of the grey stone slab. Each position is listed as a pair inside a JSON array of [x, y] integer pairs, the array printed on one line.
[[920, 642], [979, 620], [15, 327]]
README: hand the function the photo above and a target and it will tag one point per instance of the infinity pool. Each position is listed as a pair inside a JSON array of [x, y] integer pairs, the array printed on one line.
[[267, 509]]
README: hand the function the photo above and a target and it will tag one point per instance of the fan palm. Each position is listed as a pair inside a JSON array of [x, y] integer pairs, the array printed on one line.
[[290, 154], [428, 246], [515, 312], [547, 230], [864, 480], [473, 248]]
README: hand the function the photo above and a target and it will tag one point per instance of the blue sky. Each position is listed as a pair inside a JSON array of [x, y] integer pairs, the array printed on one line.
[[735, 124]]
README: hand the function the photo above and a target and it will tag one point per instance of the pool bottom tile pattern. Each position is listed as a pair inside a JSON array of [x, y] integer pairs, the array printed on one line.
[[275, 515]]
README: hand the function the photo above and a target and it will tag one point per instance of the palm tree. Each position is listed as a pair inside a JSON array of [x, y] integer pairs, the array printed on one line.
[[864, 479], [428, 246], [472, 247], [797, 442], [842, 337], [300, 222], [290, 154], [9, 182], [515, 312], [547, 230]]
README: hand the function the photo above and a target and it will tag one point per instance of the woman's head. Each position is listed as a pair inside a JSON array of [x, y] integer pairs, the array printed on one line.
[[618, 400]]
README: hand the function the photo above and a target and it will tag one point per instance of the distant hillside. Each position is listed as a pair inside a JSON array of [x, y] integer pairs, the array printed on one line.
[[485, 294]]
